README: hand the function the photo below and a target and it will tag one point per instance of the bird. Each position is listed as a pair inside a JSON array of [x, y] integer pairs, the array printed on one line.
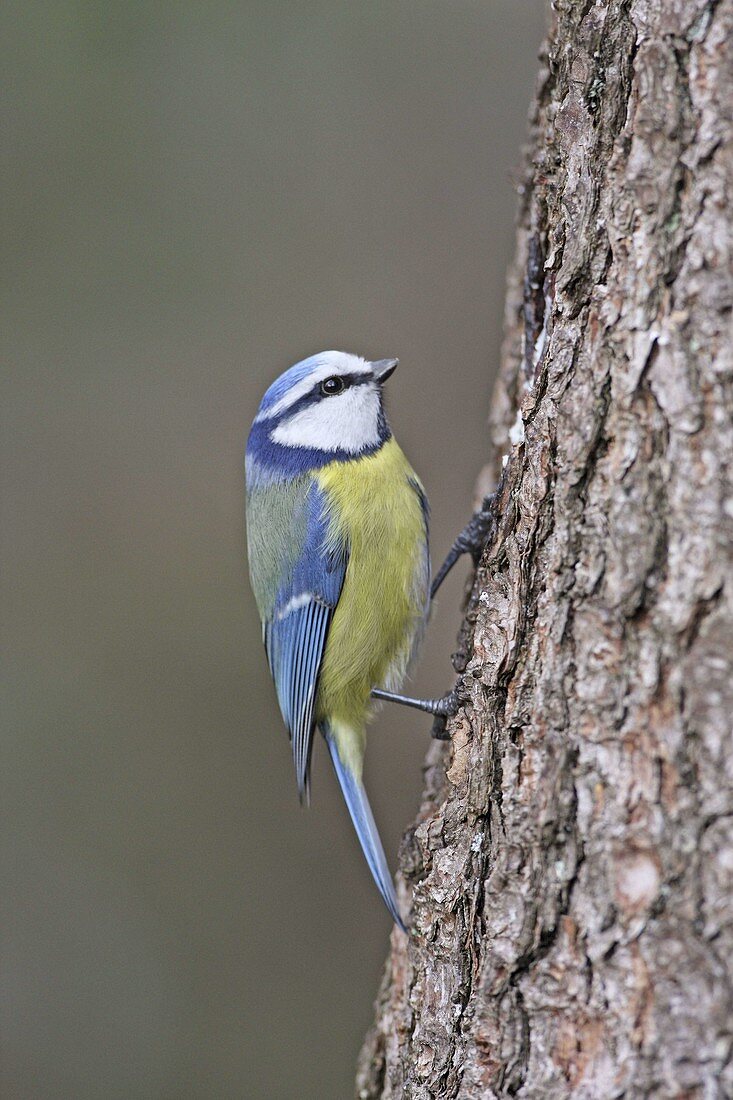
[[339, 561]]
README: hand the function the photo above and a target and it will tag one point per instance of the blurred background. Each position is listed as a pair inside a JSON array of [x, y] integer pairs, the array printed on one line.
[[198, 195]]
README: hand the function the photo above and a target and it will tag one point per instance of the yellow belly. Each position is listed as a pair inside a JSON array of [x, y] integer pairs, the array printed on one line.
[[384, 599]]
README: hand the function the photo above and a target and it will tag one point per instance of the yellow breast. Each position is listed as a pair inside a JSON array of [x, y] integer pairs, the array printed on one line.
[[375, 507]]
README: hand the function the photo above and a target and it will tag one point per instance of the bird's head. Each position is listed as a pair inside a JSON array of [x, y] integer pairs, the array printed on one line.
[[330, 403]]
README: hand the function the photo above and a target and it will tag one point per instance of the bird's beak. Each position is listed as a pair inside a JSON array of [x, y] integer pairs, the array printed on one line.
[[383, 368]]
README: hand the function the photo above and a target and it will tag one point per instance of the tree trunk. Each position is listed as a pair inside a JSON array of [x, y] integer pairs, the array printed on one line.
[[570, 872]]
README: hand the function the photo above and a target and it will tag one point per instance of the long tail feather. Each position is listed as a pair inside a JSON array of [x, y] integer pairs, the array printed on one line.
[[366, 829]]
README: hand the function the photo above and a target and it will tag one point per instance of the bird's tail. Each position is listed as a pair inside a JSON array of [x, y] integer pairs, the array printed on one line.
[[353, 791]]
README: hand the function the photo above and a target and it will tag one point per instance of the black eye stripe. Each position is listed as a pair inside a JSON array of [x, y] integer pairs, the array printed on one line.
[[314, 395], [344, 382]]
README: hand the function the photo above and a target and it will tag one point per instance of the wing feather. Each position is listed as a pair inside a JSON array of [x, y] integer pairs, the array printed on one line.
[[297, 621]]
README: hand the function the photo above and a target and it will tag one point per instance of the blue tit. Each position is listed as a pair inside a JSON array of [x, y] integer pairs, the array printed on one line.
[[337, 532]]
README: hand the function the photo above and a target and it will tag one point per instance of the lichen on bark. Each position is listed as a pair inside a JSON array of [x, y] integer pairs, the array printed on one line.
[[570, 872]]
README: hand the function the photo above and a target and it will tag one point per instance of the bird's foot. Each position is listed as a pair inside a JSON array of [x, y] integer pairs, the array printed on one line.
[[472, 540], [443, 708], [449, 707]]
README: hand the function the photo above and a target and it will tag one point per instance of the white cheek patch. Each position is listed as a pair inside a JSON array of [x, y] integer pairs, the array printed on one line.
[[349, 422]]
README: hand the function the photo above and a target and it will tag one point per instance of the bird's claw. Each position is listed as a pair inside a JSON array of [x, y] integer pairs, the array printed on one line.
[[475, 534], [448, 706], [472, 540]]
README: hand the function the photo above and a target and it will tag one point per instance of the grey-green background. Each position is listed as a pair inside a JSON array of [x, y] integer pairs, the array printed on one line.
[[196, 196]]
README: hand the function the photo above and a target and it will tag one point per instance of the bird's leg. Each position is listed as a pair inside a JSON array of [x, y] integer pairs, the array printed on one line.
[[447, 704], [442, 708], [471, 540]]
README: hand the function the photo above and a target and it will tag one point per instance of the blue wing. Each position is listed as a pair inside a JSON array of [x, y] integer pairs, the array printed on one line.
[[295, 632]]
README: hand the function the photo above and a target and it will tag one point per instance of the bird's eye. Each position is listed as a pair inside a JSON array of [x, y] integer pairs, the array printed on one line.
[[331, 386]]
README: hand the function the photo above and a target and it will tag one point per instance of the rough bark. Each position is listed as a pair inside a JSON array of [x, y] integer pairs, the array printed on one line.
[[570, 873]]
